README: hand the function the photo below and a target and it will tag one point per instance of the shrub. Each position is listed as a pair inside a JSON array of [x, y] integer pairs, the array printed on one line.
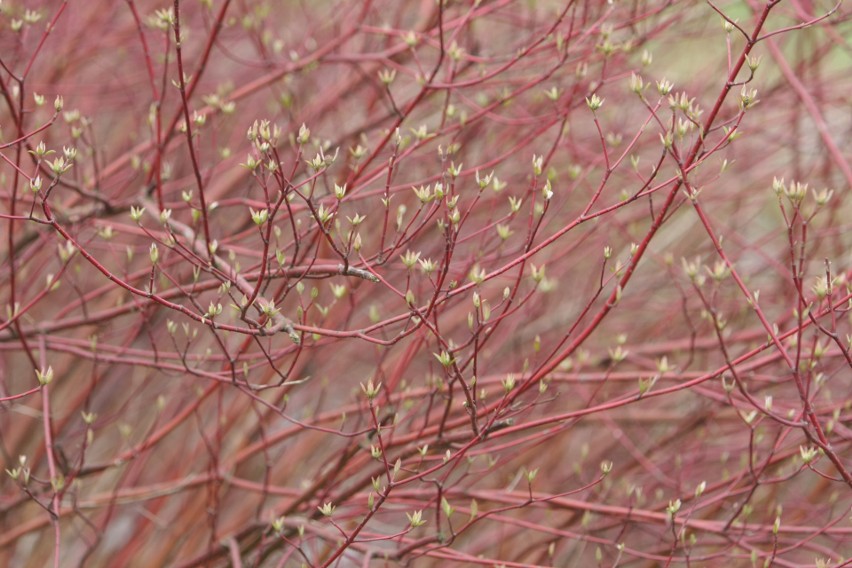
[[425, 283]]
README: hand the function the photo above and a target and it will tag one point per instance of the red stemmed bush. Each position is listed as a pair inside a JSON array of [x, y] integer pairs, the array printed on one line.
[[425, 283]]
